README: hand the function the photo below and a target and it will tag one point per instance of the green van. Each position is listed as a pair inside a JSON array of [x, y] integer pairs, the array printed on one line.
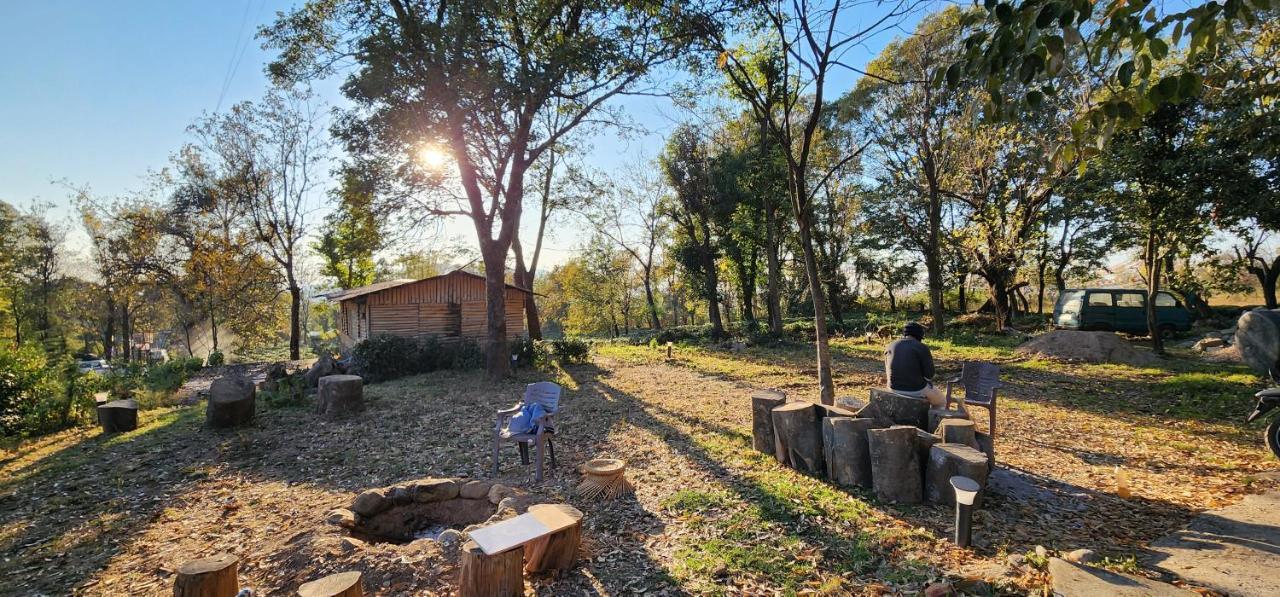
[[1120, 310]]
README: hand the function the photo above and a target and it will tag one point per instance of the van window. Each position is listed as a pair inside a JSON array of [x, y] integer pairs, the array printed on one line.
[[1100, 299], [1131, 299], [1164, 299], [1072, 305]]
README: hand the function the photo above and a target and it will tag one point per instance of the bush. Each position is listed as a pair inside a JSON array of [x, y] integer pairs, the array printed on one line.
[[216, 358], [385, 356], [570, 350], [38, 395], [288, 393]]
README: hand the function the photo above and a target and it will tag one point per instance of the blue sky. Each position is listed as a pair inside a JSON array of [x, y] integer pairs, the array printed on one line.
[[99, 93]]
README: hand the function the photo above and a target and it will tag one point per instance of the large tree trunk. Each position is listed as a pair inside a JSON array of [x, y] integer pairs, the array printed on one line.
[[712, 290], [762, 405], [895, 464], [797, 441], [295, 321], [773, 292], [109, 330], [524, 278], [126, 340], [654, 322], [497, 358], [963, 299], [1153, 266]]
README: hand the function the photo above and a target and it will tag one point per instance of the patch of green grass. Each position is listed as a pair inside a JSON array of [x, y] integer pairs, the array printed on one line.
[[692, 500], [1206, 395], [776, 558]]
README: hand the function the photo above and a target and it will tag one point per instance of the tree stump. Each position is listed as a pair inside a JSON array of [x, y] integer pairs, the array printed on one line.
[[762, 404], [345, 584], [340, 395], [214, 576], [118, 416], [844, 447], [498, 575], [1258, 339], [924, 442], [895, 464], [559, 550], [949, 460], [986, 445], [936, 415], [891, 408], [797, 437], [231, 402], [957, 431]]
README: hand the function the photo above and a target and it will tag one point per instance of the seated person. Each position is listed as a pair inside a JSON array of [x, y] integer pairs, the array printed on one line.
[[908, 365]]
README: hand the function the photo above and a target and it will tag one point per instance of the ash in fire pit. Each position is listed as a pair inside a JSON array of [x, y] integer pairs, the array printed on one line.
[[425, 508]]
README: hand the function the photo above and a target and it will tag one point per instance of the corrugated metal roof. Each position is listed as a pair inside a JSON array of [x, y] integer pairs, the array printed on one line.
[[342, 295]]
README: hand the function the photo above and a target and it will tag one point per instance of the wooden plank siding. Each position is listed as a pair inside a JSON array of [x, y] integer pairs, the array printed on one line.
[[451, 305]]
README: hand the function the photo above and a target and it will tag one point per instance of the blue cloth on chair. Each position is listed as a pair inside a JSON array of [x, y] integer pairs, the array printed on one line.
[[526, 420]]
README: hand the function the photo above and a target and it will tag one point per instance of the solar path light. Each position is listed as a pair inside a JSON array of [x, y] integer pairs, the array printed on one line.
[[966, 492]]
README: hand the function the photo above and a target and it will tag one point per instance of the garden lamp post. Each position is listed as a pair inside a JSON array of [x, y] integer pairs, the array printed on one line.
[[966, 492]]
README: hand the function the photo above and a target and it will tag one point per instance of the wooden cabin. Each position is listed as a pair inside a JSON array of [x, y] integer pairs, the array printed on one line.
[[449, 306]]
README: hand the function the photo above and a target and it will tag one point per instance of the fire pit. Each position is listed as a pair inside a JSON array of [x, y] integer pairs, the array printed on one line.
[[426, 508]]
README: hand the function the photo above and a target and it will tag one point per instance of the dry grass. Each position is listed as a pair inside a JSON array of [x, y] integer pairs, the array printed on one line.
[[112, 515]]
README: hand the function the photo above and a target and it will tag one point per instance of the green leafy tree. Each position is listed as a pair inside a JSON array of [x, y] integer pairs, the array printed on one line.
[[351, 235], [493, 84]]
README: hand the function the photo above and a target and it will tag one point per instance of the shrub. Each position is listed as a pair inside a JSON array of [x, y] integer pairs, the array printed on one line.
[[288, 393], [571, 350], [35, 397], [527, 352], [166, 377], [385, 356], [216, 358]]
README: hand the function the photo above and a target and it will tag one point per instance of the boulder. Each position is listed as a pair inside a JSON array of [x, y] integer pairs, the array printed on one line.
[[435, 490], [498, 492], [371, 502], [1258, 337], [1209, 342], [231, 401], [342, 517], [474, 490], [323, 367]]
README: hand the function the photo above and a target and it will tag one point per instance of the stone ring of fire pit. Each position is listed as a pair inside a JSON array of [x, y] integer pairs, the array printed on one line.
[[426, 509]]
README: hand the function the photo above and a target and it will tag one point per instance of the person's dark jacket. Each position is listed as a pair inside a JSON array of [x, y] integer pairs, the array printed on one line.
[[908, 364]]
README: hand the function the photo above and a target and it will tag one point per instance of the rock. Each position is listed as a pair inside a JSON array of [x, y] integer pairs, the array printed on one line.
[[939, 589], [352, 544], [277, 371], [231, 401], [1210, 342], [1016, 560], [450, 540], [1075, 580], [342, 517], [850, 403], [401, 494], [435, 490], [474, 490], [509, 503], [371, 502], [1081, 556], [498, 492], [323, 367], [1041, 551], [973, 585]]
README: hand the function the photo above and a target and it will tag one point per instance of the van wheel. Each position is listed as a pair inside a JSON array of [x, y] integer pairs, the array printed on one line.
[[1168, 332]]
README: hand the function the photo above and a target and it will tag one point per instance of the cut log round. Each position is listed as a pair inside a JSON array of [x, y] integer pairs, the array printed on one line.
[[559, 550], [1258, 340], [762, 405], [797, 437], [214, 576], [895, 464], [957, 431], [231, 401], [340, 395], [924, 442], [498, 575], [936, 415], [345, 584], [118, 416], [949, 460], [844, 447], [891, 408]]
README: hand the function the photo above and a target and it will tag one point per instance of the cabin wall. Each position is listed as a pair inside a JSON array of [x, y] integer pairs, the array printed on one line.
[[450, 306]]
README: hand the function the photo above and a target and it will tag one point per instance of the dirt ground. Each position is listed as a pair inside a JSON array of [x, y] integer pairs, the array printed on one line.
[[88, 514]]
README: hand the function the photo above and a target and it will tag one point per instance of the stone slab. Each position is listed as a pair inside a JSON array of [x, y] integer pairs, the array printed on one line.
[[1075, 580], [1233, 550]]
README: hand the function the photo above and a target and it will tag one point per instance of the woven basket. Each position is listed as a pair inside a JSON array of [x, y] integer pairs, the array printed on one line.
[[604, 478]]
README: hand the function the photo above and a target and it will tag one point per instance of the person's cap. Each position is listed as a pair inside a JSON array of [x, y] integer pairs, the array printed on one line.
[[913, 329]]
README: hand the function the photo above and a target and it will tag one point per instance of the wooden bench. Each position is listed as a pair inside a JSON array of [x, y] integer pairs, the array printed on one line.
[[496, 557]]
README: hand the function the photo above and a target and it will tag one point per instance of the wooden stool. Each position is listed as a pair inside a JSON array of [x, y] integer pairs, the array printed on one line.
[[559, 550], [498, 575], [214, 576], [344, 584]]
